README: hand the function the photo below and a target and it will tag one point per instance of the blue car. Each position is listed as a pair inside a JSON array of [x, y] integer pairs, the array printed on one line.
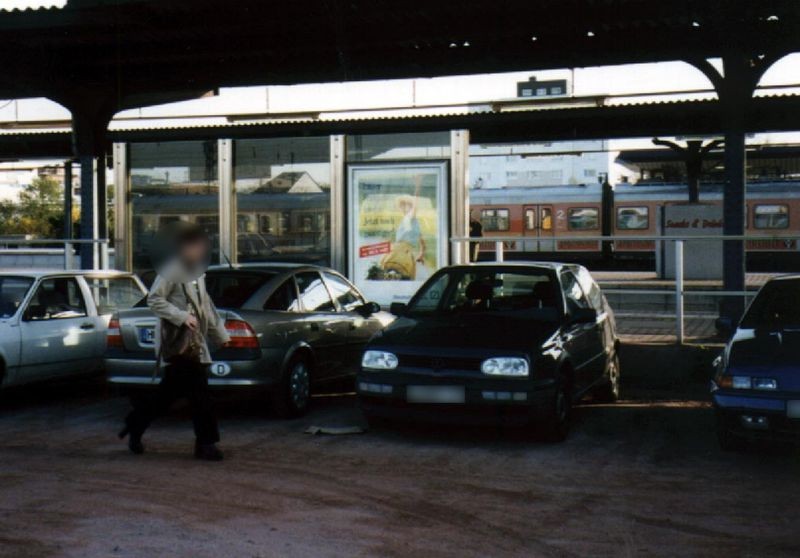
[[756, 387]]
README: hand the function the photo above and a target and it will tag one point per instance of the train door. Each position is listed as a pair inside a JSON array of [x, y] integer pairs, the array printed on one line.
[[538, 224]]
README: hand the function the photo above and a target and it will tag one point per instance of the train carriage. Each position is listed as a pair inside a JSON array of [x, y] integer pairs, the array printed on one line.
[[545, 218]]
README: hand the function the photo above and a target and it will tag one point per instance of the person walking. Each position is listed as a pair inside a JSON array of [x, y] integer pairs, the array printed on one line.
[[188, 320]]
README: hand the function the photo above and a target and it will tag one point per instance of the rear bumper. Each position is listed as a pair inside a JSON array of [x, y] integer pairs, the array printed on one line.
[[243, 373], [486, 401]]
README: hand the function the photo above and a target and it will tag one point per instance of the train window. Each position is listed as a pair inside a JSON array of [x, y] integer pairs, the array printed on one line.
[[495, 219], [530, 219], [633, 218], [771, 217], [546, 219], [584, 218]]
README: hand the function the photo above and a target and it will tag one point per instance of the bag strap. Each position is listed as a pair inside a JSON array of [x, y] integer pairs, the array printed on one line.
[[190, 300]]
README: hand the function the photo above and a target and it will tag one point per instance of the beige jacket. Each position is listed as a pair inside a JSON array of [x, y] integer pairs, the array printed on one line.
[[167, 301]]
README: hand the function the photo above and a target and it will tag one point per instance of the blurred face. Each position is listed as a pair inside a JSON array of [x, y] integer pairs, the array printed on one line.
[[404, 206], [194, 252]]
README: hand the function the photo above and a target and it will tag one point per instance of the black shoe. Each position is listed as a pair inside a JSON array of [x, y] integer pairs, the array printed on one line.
[[209, 452], [134, 441]]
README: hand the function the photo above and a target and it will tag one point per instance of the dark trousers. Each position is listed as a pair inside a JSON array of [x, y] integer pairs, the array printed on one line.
[[180, 379]]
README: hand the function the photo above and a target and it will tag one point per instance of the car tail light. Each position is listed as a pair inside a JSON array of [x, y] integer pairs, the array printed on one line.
[[113, 335], [242, 335]]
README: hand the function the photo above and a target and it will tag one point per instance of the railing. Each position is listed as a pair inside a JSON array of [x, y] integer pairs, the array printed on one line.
[[679, 291], [15, 247]]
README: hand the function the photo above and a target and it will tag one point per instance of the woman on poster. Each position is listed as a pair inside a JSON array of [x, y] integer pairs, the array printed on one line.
[[408, 248]]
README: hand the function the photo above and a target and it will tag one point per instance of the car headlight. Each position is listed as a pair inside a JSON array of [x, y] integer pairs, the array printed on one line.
[[505, 366], [379, 360]]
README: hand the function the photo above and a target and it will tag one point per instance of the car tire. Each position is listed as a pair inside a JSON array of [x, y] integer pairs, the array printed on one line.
[[608, 392], [728, 441], [555, 427], [292, 397]]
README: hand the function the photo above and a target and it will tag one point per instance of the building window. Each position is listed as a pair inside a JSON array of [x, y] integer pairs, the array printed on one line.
[[495, 220], [283, 185], [172, 181], [771, 217], [633, 218], [584, 218]]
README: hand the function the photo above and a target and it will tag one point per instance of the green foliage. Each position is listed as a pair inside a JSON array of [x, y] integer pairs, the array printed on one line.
[[39, 212]]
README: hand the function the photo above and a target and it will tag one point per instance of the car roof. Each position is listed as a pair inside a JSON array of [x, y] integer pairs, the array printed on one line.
[[555, 266], [38, 273], [269, 267], [785, 277]]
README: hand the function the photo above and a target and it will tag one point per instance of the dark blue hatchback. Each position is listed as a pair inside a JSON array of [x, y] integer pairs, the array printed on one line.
[[756, 388]]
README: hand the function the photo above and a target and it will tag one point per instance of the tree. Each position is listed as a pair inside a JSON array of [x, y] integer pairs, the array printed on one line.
[[693, 155], [39, 212]]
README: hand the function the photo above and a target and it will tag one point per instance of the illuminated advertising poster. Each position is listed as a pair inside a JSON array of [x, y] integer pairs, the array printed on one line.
[[398, 224]]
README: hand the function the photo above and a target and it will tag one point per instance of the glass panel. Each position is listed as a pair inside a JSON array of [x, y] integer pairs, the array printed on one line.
[[573, 293], [12, 293], [771, 217], [777, 305], [284, 299], [530, 219], [547, 219], [343, 292], [57, 299], [584, 218], [495, 219], [491, 290], [172, 181], [633, 218], [396, 147], [284, 200], [313, 294], [116, 293], [232, 289]]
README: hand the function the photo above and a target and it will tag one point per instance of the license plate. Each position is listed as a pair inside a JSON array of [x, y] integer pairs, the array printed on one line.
[[793, 409], [147, 335], [435, 394]]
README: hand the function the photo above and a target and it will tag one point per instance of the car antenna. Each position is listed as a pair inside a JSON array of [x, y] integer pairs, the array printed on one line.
[[227, 259]]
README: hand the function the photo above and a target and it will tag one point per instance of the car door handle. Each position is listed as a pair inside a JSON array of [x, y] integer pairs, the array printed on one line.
[[87, 326]]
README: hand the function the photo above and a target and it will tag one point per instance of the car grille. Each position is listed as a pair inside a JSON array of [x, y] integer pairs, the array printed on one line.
[[439, 363]]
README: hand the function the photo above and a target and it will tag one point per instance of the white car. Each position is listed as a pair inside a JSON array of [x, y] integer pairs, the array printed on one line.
[[53, 323]]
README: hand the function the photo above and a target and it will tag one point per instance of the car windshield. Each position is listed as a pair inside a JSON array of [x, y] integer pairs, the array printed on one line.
[[111, 294], [776, 306], [231, 289], [12, 293], [532, 292]]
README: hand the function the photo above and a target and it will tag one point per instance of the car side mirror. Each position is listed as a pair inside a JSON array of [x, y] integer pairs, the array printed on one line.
[[584, 316], [724, 326], [397, 308], [368, 309]]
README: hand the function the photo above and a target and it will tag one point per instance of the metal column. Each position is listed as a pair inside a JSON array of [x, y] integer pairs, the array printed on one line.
[[338, 232], [459, 194], [68, 199], [123, 227], [227, 203]]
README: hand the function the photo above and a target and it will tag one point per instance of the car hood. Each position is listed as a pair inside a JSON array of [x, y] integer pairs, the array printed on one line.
[[466, 332], [767, 354]]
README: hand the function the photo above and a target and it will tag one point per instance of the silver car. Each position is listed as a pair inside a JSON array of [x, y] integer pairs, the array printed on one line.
[[291, 325], [53, 323]]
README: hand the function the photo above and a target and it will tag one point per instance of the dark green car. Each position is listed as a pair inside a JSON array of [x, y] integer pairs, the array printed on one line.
[[519, 342]]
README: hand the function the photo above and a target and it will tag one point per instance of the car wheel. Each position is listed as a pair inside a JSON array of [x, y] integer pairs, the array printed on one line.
[[728, 441], [609, 391], [556, 425], [293, 396]]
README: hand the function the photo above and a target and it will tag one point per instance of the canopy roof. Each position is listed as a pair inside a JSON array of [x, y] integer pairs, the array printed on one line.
[[136, 52]]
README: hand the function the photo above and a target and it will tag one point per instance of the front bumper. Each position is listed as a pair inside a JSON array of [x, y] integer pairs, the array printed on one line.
[[513, 401], [755, 416]]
